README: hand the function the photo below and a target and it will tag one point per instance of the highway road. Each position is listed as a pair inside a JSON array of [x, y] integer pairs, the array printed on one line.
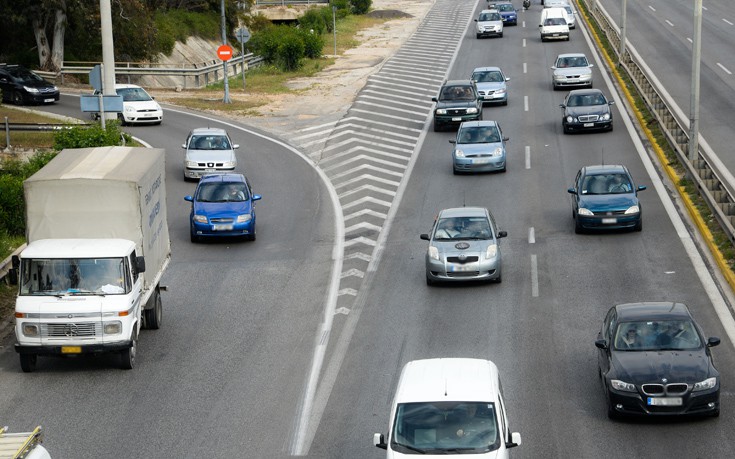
[[661, 31], [237, 369]]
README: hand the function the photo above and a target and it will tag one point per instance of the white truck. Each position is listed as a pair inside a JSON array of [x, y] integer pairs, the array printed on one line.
[[22, 445], [98, 244]]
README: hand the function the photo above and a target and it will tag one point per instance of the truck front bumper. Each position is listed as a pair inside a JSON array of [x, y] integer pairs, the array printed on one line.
[[96, 348]]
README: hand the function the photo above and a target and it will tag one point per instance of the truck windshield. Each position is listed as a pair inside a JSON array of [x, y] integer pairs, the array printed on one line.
[[106, 276]]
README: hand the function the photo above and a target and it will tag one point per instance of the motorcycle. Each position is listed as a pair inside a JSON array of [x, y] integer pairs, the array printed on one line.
[[526, 4]]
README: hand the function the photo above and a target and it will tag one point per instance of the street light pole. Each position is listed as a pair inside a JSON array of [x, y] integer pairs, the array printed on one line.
[[623, 19], [224, 63], [696, 64], [108, 53]]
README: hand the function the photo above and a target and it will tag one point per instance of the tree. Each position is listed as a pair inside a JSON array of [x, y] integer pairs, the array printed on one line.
[[49, 14]]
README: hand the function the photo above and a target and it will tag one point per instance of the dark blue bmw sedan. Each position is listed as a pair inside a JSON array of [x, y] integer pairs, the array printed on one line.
[[222, 205], [605, 197]]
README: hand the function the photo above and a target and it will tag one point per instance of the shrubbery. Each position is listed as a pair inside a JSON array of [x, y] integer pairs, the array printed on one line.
[[286, 46], [91, 136], [12, 204], [360, 6]]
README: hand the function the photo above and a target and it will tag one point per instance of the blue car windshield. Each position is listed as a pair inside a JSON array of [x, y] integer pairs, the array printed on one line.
[[478, 134], [606, 184], [221, 192]]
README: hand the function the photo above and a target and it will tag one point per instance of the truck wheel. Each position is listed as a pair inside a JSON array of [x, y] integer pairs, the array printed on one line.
[[127, 357], [28, 362], [152, 318]]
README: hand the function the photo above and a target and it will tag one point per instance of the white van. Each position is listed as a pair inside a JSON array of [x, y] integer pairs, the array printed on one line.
[[553, 24], [447, 407], [570, 12]]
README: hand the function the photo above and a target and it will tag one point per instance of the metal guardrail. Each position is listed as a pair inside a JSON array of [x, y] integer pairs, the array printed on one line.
[[714, 181], [201, 75], [288, 2]]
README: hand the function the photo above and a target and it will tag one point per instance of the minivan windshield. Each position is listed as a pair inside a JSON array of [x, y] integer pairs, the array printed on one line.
[[445, 427]]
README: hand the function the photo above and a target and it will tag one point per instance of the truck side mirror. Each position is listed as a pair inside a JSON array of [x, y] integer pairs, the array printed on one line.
[[13, 271], [379, 441], [140, 264]]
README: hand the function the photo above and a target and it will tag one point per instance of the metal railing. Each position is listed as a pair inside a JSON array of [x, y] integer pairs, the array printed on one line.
[[714, 181], [197, 76]]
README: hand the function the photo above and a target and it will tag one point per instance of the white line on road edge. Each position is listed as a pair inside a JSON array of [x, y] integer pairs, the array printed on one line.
[[534, 276], [710, 286], [528, 157]]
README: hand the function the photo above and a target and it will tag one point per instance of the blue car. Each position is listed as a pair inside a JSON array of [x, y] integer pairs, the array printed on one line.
[[507, 12], [605, 197], [223, 205]]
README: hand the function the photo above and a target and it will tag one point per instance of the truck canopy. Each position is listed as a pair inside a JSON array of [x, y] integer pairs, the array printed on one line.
[[102, 193]]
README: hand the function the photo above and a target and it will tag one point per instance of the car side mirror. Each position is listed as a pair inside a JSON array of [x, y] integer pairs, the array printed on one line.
[[379, 441], [188, 198], [257, 197], [562, 106], [140, 264], [475, 20], [601, 343], [540, 25], [13, 271], [612, 102], [502, 234], [515, 440], [553, 67], [592, 65], [572, 190], [641, 187], [183, 145], [235, 146], [506, 139], [452, 141], [424, 236], [713, 341], [433, 99]]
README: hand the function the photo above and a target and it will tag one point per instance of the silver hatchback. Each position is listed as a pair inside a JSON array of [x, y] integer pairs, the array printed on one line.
[[463, 246], [208, 151]]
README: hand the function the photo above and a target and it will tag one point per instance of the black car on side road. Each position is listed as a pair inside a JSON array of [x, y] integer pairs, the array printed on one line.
[[22, 86], [458, 101], [654, 360]]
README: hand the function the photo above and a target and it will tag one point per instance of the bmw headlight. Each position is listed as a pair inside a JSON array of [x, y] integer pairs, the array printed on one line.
[[200, 218], [708, 383], [244, 218], [459, 154], [472, 110], [605, 117], [31, 90], [584, 211], [433, 252], [492, 251], [113, 328], [441, 111], [497, 152], [570, 119], [30, 329], [632, 210], [622, 385]]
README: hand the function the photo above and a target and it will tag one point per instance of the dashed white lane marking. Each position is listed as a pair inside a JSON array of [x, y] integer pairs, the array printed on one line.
[[534, 276], [669, 23], [528, 157], [525, 68], [728, 22], [525, 103], [724, 68], [531, 235], [651, 8]]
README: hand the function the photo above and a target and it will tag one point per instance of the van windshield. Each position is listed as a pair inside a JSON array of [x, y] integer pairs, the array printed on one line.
[[74, 276], [441, 427]]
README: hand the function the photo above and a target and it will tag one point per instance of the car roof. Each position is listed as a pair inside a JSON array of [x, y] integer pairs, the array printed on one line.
[[448, 379], [223, 178], [208, 131], [127, 86], [604, 169], [584, 92], [464, 212], [654, 310], [492, 10], [458, 83], [487, 69], [478, 123], [571, 55]]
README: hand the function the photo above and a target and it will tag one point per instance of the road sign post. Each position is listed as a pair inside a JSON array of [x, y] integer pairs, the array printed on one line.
[[243, 35]]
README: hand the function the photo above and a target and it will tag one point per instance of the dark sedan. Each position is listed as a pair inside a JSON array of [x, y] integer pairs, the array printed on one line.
[[586, 110], [654, 360], [605, 197], [458, 101]]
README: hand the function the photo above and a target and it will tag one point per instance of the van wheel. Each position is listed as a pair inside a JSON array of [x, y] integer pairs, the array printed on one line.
[[152, 318], [127, 357], [28, 362]]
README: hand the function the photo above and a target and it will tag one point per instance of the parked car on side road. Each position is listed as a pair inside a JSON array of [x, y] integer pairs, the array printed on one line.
[[21, 86], [479, 147], [139, 107], [208, 151], [463, 246], [223, 205], [458, 101], [491, 84], [654, 360], [586, 110], [605, 198]]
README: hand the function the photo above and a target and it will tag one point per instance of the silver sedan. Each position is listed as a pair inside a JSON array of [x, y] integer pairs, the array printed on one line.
[[463, 246]]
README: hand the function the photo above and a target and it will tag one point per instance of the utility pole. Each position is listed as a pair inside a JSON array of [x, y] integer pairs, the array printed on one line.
[[224, 42], [108, 53], [696, 64], [623, 20]]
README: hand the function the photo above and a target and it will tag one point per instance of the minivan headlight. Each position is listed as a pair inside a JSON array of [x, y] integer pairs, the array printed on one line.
[[113, 328], [29, 329]]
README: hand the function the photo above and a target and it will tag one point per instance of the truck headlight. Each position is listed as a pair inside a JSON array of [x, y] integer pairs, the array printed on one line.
[[113, 328], [30, 330], [200, 218], [244, 218], [433, 252], [708, 383]]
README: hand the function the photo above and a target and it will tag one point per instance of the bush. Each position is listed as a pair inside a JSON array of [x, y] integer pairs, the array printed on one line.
[[314, 19], [313, 44], [87, 136], [12, 203], [265, 44], [360, 6], [291, 50]]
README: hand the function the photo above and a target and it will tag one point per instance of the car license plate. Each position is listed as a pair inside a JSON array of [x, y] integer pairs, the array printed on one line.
[[48, 100], [462, 268], [609, 221], [664, 401], [589, 124], [481, 161], [222, 227], [210, 170], [71, 349], [457, 118], [555, 35]]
